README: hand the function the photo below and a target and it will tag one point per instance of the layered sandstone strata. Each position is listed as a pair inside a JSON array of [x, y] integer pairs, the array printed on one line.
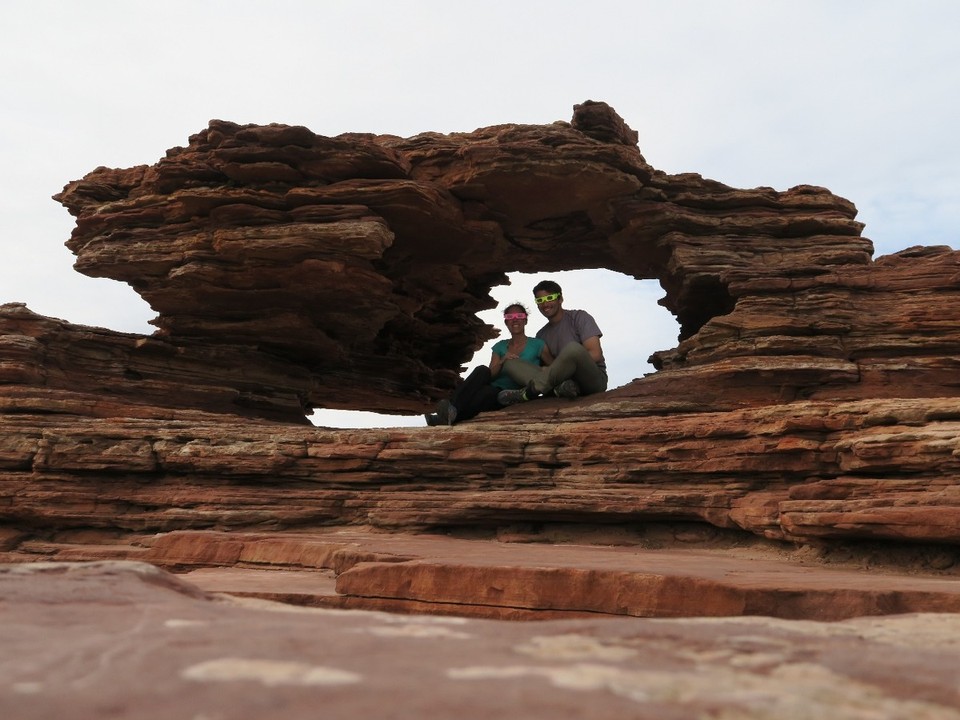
[[812, 398], [362, 260]]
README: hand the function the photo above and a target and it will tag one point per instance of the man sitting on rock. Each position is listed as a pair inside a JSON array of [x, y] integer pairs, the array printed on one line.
[[573, 338]]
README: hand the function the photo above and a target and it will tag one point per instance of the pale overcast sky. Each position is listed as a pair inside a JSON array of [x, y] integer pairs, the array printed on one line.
[[860, 96]]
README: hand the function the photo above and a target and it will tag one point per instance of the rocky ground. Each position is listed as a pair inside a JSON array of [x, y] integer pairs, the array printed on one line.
[[125, 639]]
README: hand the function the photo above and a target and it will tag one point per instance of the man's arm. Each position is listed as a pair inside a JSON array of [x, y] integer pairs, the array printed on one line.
[[592, 344], [546, 357]]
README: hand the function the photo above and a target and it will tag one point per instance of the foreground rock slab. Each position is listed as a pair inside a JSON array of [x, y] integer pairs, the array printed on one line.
[[488, 578], [124, 639]]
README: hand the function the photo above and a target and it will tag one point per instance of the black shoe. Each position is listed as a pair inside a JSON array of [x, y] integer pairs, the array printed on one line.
[[432, 419], [446, 413], [510, 397], [567, 389]]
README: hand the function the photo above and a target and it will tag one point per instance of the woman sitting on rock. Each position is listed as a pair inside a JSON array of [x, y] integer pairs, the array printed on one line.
[[478, 392]]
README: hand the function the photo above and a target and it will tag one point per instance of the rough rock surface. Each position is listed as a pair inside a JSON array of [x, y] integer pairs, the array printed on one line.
[[801, 471], [128, 640], [810, 410]]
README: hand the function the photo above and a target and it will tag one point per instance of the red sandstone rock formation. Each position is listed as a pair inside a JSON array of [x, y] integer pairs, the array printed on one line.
[[362, 260], [813, 396]]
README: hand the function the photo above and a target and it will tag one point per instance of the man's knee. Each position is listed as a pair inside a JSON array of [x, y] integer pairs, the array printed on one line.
[[573, 350], [590, 376]]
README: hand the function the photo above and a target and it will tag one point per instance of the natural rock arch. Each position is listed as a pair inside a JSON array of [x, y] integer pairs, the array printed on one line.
[[347, 272], [813, 394]]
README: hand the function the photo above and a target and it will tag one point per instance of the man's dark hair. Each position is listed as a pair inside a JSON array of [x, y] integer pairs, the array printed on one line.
[[549, 286]]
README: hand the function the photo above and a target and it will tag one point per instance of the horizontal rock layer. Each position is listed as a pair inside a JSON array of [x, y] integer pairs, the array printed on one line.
[[798, 472]]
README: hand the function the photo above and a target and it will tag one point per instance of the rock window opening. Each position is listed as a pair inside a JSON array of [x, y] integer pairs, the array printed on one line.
[[634, 327]]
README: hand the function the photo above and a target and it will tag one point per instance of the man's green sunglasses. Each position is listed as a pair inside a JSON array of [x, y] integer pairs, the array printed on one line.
[[547, 298]]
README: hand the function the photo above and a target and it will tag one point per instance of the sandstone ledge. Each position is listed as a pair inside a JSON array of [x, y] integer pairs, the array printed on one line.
[[667, 571], [882, 469]]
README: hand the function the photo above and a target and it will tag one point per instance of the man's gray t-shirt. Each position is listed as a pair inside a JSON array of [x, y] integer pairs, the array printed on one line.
[[574, 326]]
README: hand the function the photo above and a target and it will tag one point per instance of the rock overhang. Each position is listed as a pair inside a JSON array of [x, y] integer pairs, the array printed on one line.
[[361, 261]]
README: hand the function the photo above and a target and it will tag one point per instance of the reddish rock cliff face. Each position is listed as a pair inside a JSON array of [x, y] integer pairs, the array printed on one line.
[[813, 396]]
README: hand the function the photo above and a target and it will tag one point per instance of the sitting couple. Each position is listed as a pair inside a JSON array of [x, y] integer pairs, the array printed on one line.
[[564, 360]]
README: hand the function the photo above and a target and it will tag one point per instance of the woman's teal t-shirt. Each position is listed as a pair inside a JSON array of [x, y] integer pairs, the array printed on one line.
[[531, 353]]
